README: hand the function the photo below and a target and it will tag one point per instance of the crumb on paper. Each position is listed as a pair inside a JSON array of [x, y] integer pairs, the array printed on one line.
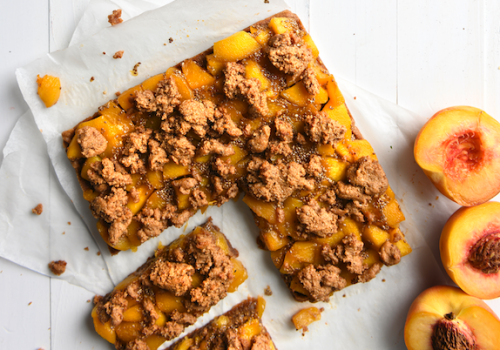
[[92, 79], [64, 232], [383, 279], [437, 197], [88, 300], [266, 1], [170, 40], [98, 253], [103, 52], [58, 267], [136, 67], [69, 222], [343, 296], [38, 210], [268, 291], [354, 97], [118, 93], [118, 54], [86, 248], [29, 304], [115, 17]]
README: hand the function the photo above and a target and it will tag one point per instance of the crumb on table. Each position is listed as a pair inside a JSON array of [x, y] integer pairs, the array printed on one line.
[[118, 54], [268, 291], [38, 210], [58, 267], [115, 17]]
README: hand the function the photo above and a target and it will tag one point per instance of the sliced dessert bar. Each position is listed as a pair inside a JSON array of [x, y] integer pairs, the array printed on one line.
[[170, 291]]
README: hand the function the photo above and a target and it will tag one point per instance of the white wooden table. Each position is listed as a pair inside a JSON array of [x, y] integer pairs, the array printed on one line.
[[424, 55]]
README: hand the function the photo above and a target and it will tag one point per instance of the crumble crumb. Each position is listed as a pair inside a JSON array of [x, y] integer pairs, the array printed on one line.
[[266, 1], [38, 210], [118, 54], [98, 253], [170, 40], [118, 93], [64, 232], [86, 248], [30, 303], [103, 52], [115, 17], [88, 300], [136, 67], [92, 79], [58, 267], [268, 291], [69, 222]]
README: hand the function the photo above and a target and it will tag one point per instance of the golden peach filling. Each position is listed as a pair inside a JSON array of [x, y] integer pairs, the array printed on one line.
[[463, 154]]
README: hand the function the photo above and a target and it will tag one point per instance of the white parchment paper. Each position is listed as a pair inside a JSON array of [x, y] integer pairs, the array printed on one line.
[[369, 316]]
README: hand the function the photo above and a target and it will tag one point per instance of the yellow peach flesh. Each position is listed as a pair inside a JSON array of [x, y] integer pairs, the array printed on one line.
[[458, 150], [471, 314], [461, 232]]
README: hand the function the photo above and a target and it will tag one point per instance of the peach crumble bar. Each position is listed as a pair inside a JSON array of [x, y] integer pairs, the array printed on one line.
[[170, 291], [257, 113], [239, 328]]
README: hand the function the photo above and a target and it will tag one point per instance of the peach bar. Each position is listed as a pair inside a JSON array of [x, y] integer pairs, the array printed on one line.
[[257, 113], [170, 291], [239, 328]]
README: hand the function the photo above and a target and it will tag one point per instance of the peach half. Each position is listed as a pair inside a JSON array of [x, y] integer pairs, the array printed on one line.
[[458, 150], [445, 318], [470, 249]]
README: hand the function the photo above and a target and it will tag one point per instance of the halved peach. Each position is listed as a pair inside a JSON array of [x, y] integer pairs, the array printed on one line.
[[445, 318], [458, 150], [470, 249]]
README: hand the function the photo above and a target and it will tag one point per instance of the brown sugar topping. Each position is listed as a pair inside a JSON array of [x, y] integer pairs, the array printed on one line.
[[58, 267], [38, 210], [91, 140], [115, 17]]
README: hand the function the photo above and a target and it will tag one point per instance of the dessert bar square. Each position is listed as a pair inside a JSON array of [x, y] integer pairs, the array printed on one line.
[[258, 113], [239, 328], [170, 291]]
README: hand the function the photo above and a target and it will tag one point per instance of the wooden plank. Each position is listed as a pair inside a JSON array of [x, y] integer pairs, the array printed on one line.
[[440, 60], [25, 308]]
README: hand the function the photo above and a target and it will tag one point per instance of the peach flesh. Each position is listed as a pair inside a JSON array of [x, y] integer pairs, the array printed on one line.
[[458, 150], [445, 318], [470, 249]]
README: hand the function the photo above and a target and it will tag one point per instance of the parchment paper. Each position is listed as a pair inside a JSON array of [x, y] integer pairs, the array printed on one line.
[[376, 310]]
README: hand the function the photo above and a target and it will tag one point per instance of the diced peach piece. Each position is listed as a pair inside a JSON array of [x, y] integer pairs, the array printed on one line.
[[49, 89], [214, 66], [250, 329], [303, 318], [221, 321], [240, 275], [172, 171], [144, 191], [74, 150], [196, 76], [297, 287], [183, 87], [310, 44], [361, 148], [156, 201], [152, 83], [168, 302], [185, 344], [155, 178], [443, 316], [458, 150], [162, 319], [321, 97], [280, 25], [343, 151], [128, 331], [375, 235], [273, 240], [87, 164], [182, 199], [134, 314], [349, 226], [340, 114], [154, 341], [372, 257], [235, 47], [103, 329], [322, 75], [393, 213], [470, 249], [132, 236], [335, 169], [278, 256], [254, 70], [297, 94], [89, 195], [239, 154], [261, 35], [263, 209], [336, 98], [123, 284], [261, 306], [125, 99], [300, 255]]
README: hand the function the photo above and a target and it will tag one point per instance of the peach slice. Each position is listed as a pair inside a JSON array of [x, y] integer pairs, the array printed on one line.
[[470, 249], [445, 318], [458, 150]]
